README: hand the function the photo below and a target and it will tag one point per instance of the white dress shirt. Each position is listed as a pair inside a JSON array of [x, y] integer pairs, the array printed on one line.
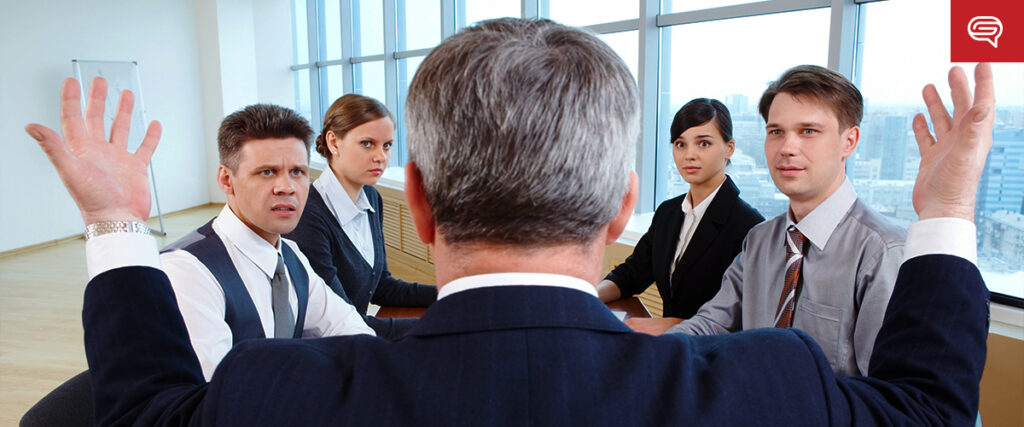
[[201, 299], [950, 236], [353, 217], [692, 215], [516, 279]]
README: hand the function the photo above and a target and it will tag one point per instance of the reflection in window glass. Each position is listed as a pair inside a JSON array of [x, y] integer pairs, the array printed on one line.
[[332, 30], [419, 24], [588, 12], [406, 70], [479, 10], [670, 6], [368, 29], [886, 162], [300, 33], [732, 60], [368, 79], [626, 44], [302, 101]]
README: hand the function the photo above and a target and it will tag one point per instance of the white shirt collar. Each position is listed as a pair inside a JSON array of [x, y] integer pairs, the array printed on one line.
[[819, 224], [515, 279], [251, 245], [338, 201], [702, 206]]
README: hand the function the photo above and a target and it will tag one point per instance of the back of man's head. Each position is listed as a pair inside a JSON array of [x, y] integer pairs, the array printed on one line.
[[259, 121], [825, 86], [524, 132]]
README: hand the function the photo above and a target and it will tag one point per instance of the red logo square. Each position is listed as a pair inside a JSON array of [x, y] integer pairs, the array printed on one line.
[[986, 31]]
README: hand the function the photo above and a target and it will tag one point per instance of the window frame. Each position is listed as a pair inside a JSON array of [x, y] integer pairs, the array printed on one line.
[[843, 57]]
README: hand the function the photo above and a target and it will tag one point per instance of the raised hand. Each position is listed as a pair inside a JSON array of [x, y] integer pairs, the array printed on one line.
[[952, 161], [106, 181]]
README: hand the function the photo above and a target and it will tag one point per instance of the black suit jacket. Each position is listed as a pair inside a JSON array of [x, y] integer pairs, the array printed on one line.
[[335, 258], [523, 355], [714, 244]]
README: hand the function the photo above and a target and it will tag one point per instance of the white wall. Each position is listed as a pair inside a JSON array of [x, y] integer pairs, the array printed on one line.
[[39, 41], [273, 41], [246, 51], [199, 61]]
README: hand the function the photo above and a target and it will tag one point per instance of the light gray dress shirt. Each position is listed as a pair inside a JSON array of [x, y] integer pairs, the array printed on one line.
[[848, 274]]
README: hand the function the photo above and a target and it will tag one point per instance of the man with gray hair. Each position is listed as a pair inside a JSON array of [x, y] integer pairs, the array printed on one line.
[[521, 134]]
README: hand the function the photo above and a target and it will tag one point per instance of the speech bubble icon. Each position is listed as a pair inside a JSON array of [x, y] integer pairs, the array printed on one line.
[[985, 28]]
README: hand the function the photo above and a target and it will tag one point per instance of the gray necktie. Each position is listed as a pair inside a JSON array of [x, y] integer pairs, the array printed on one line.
[[284, 324]]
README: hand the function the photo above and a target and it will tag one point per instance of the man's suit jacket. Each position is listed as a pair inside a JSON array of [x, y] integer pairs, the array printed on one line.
[[715, 242], [540, 356], [335, 258]]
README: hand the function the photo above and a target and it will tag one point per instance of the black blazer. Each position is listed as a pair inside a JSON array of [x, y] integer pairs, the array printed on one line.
[[335, 258], [715, 242], [535, 355]]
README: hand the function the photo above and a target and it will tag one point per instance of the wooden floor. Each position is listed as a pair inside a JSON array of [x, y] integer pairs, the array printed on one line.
[[41, 314], [41, 293]]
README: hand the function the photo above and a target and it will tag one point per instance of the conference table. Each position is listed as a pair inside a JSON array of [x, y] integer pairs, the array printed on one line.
[[626, 307]]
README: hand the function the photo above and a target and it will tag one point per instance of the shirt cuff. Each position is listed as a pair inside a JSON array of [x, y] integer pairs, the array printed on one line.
[[942, 236], [115, 250]]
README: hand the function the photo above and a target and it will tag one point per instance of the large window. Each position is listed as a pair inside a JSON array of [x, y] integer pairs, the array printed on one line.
[[887, 158], [726, 49], [469, 12], [730, 61]]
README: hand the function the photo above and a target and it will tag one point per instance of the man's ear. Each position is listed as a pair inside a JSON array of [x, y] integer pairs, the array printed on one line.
[[850, 138], [618, 225], [416, 199], [224, 180]]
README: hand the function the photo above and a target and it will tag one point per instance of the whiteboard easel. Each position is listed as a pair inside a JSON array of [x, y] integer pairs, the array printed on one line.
[[120, 75]]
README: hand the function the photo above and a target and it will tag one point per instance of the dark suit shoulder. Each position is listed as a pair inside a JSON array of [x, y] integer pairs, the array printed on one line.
[[316, 207], [670, 206], [728, 207], [746, 214], [375, 199]]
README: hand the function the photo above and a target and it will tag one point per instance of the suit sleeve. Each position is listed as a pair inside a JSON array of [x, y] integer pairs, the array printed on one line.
[[313, 238], [327, 314], [390, 328], [930, 352], [636, 273], [723, 313], [397, 292], [391, 290], [143, 368]]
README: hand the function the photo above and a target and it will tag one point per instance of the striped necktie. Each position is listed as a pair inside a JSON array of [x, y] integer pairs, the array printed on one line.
[[791, 288]]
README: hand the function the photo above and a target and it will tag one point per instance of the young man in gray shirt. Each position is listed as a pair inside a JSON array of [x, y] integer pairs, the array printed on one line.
[[828, 264]]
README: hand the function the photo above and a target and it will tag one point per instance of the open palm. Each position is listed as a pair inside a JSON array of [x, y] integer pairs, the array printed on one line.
[[105, 180], [952, 160]]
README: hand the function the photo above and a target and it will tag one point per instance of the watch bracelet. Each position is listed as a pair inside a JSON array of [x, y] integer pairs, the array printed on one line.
[[107, 227]]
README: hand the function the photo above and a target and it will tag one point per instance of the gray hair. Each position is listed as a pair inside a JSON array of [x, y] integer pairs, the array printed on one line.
[[524, 132]]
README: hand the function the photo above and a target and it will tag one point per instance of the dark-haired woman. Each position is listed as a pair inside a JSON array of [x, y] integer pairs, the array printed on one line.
[[694, 237], [341, 228]]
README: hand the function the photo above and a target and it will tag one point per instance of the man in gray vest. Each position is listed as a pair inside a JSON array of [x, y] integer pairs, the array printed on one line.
[[235, 278]]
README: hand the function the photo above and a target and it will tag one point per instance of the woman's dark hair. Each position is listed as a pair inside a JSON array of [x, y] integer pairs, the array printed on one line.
[[347, 113], [700, 111]]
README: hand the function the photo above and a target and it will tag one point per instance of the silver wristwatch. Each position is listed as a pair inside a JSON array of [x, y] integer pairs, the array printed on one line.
[[107, 227]]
